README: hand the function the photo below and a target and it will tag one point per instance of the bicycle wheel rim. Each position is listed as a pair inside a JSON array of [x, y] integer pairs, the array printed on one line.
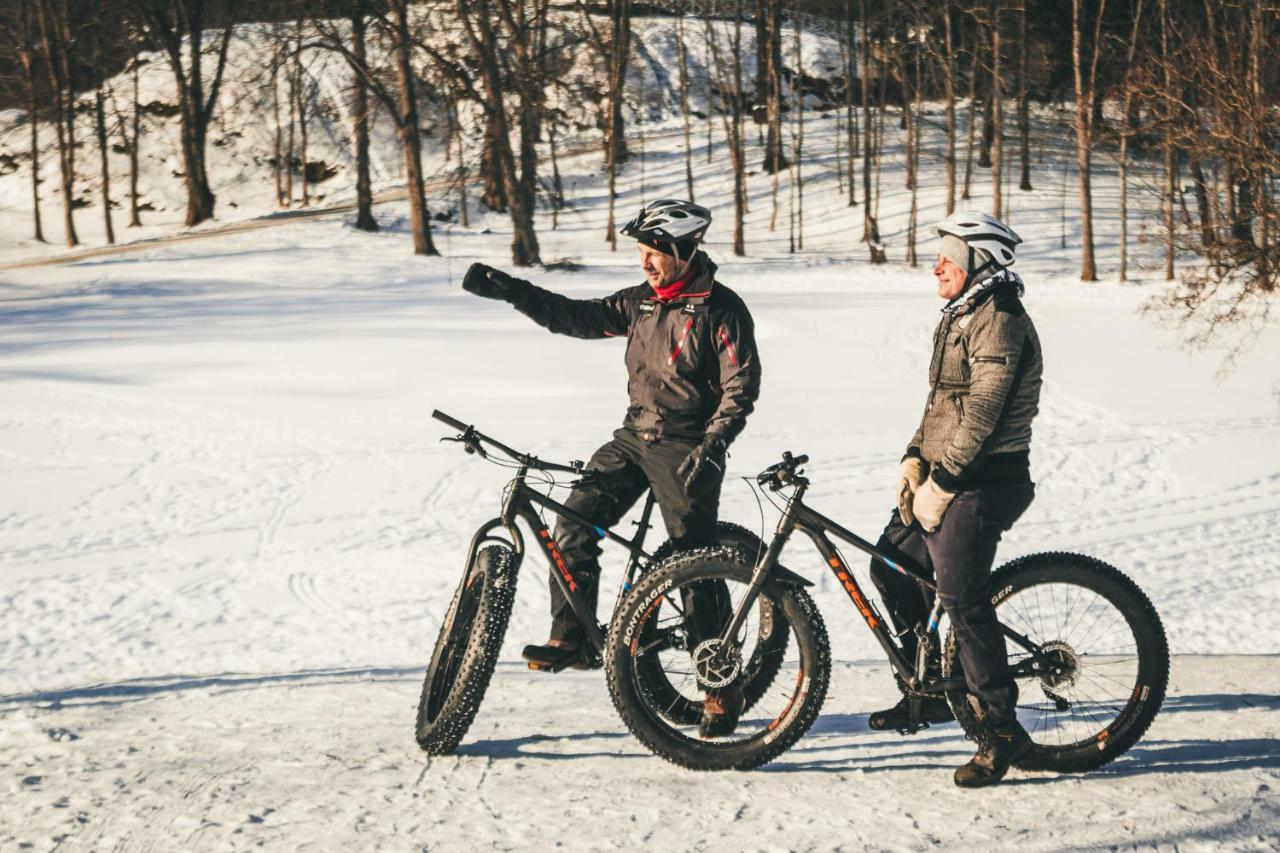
[[667, 616], [1101, 683]]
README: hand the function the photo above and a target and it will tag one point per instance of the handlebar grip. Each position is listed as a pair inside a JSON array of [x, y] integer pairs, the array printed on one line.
[[453, 422], [800, 460]]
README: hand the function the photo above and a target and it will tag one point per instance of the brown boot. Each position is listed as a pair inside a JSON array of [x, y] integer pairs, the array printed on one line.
[[720, 712], [998, 749]]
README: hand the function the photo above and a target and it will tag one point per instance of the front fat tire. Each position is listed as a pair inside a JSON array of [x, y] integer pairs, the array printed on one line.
[[768, 657], [1148, 633], [451, 694], [801, 614]]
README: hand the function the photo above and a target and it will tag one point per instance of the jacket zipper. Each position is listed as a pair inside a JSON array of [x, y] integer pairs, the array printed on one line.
[[728, 345], [675, 353]]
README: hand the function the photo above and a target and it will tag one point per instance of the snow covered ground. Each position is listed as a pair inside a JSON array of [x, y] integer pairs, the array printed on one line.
[[228, 534]]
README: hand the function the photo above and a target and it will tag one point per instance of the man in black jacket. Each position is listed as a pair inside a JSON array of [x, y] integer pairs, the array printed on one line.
[[694, 376]]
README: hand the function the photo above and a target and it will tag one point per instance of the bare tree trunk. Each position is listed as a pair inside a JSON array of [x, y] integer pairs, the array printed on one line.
[[26, 55], [289, 147], [1024, 105], [731, 113], [799, 154], [557, 187], [684, 105], [1084, 91], [462, 167], [973, 115], [850, 115], [869, 230], [100, 118], [419, 215], [775, 160], [913, 154], [55, 28], [1168, 142], [278, 166], [360, 129], [997, 110], [949, 89], [302, 92], [615, 148], [173, 28], [495, 192], [135, 218]]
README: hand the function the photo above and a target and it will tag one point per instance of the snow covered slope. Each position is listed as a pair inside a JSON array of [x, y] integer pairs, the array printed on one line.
[[228, 533]]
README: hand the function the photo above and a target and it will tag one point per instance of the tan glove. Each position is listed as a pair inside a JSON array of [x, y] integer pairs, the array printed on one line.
[[930, 503], [910, 474]]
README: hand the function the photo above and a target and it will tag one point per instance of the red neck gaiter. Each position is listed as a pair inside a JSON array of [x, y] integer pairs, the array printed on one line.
[[675, 289]]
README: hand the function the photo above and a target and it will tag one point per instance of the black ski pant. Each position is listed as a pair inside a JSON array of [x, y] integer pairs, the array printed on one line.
[[959, 556], [625, 468]]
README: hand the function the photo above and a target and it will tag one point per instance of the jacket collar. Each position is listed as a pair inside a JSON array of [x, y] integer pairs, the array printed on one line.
[[979, 292], [699, 290]]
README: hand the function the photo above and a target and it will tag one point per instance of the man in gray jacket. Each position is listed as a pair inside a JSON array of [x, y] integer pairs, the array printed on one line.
[[965, 478]]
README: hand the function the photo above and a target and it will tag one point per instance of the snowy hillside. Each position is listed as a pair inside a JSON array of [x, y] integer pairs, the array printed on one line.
[[229, 532]]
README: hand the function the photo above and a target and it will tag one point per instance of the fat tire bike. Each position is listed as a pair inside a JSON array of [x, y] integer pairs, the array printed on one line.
[[1086, 648], [466, 650]]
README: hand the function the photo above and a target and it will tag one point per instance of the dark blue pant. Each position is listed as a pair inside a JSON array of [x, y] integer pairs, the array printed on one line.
[[625, 467], [959, 555]]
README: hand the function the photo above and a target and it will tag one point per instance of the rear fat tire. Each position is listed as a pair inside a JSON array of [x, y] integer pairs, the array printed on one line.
[[1148, 634], [466, 651], [644, 721]]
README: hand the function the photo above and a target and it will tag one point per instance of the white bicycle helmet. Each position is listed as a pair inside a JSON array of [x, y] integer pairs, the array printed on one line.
[[982, 232], [669, 224]]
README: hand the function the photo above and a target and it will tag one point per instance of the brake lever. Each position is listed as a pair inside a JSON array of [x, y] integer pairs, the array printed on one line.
[[469, 443]]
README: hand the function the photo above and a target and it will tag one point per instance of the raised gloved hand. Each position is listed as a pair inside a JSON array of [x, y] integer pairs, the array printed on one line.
[[703, 468], [484, 280], [930, 502], [910, 475]]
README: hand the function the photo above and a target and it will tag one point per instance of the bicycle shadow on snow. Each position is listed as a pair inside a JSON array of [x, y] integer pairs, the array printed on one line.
[[517, 747], [849, 735]]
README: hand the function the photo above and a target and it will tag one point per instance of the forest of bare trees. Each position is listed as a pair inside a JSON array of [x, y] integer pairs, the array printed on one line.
[[1188, 87]]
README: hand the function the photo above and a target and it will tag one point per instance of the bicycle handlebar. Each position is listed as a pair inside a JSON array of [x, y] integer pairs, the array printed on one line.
[[451, 421], [783, 473], [472, 437]]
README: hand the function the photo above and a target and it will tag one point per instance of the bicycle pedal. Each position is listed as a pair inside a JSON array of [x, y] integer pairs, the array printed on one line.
[[911, 730], [540, 667]]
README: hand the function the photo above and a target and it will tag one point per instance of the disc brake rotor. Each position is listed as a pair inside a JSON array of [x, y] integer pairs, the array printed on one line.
[[715, 664]]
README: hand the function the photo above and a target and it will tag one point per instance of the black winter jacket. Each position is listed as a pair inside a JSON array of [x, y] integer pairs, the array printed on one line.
[[692, 362]]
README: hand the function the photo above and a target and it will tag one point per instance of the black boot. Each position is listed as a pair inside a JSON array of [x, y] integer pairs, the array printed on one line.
[[555, 655], [998, 749], [932, 711]]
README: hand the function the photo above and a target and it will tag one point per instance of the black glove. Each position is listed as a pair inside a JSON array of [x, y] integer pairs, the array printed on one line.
[[703, 468], [484, 280]]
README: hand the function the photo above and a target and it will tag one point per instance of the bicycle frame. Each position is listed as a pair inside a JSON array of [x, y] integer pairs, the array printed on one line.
[[521, 503], [797, 516]]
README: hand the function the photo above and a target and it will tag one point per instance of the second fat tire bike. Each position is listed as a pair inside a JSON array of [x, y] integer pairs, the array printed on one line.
[[1086, 648], [466, 649]]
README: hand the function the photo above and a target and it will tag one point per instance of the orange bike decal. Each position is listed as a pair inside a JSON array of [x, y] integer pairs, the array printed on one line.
[[554, 550], [851, 587]]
